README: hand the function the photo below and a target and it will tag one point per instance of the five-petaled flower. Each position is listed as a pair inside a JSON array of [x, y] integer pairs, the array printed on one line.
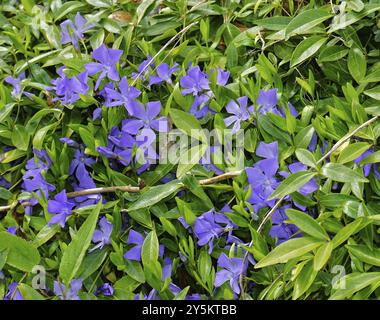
[[61, 207], [102, 236], [106, 66], [231, 270], [239, 112], [73, 31]]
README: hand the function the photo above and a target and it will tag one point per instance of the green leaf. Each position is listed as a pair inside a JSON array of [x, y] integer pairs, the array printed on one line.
[[365, 254], [357, 64], [322, 255], [155, 194], [91, 263], [22, 255], [354, 282], [373, 76], [45, 234], [303, 138], [306, 49], [290, 249], [75, 252], [28, 293], [352, 151], [307, 224], [187, 123], [374, 93], [292, 183], [143, 8], [304, 280], [348, 230], [20, 137], [339, 172], [372, 158], [306, 157], [306, 21], [189, 159], [149, 250], [332, 53]]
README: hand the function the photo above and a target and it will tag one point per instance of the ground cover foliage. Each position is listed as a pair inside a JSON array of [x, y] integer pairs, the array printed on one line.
[[88, 88]]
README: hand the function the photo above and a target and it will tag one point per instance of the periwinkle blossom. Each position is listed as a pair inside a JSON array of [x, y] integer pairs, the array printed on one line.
[[137, 239], [73, 31], [16, 84], [106, 66], [102, 236], [33, 179], [120, 146], [79, 163], [262, 175], [207, 228], [97, 114], [61, 207], [146, 151], [164, 73], [200, 107], [239, 112], [105, 289], [231, 269], [86, 182], [68, 294], [267, 102], [126, 97], [12, 230], [143, 68], [68, 90], [13, 292], [221, 76], [145, 117], [280, 230], [194, 82], [5, 183]]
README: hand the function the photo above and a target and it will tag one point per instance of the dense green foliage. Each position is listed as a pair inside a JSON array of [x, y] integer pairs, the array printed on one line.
[[322, 56]]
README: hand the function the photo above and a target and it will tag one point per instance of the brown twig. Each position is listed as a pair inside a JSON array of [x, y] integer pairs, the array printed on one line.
[[130, 189]]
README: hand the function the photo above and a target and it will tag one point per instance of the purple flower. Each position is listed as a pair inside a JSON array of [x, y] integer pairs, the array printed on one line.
[[71, 293], [126, 97], [137, 239], [145, 118], [73, 32], [68, 90], [102, 236], [151, 296], [207, 228], [267, 101], [195, 81], [97, 114], [12, 230], [120, 146], [105, 289], [16, 83], [61, 207], [5, 183], [106, 66], [262, 176], [143, 66], [163, 74], [79, 163], [221, 76], [231, 270], [86, 182], [200, 107], [146, 151], [13, 292], [71, 143], [281, 230], [40, 161], [239, 113]]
